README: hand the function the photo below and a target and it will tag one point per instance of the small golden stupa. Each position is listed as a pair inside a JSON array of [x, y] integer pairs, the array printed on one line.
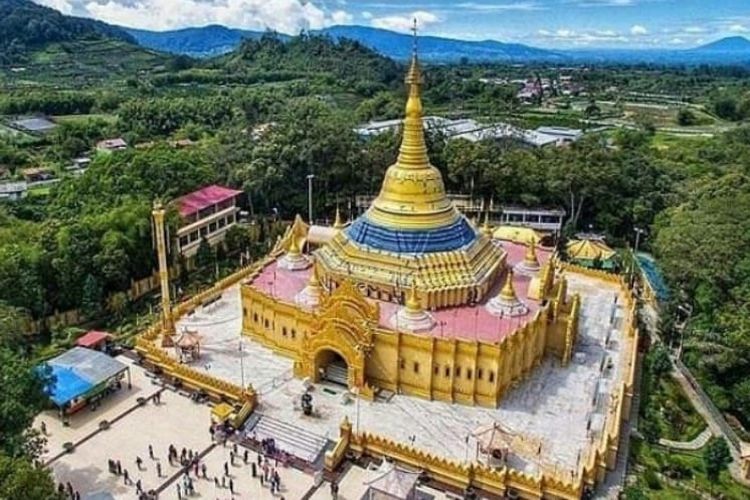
[[506, 303]]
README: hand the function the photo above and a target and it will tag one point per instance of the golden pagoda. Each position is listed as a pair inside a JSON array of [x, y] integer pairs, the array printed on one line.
[[506, 303], [412, 233]]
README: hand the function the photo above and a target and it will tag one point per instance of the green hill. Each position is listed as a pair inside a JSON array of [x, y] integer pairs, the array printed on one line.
[[26, 26], [346, 62]]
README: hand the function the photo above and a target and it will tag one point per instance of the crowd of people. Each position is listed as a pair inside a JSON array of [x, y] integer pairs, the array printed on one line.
[[262, 468]]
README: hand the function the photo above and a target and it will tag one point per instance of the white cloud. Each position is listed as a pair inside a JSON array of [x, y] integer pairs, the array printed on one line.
[[341, 17], [64, 6], [638, 30], [405, 22], [495, 7], [676, 41], [604, 3], [366, 14], [286, 16], [738, 28], [573, 37], [694, 29]]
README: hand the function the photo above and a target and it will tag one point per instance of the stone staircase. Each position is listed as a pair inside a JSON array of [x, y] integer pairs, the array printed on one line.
[[337, 373], [289, 438]]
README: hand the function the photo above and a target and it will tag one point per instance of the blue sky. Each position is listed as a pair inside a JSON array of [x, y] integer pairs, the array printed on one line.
[[544, 23]]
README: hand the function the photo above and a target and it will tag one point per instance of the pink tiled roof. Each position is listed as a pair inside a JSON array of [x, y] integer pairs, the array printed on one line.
[[204, 198], [92, 338], [464, 322]]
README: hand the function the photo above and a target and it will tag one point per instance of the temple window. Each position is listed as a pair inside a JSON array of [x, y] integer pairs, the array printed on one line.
[[294, 333], [255, 317], [416, 367], [437, 370], [492, 377], [403, 364], [266, 323], [469, 373], [244, 312], [480, 373], [447, 371], [458, 371], [283, 331]]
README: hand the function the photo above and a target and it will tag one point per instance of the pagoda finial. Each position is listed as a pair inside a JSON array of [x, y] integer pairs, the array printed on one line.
[[314, 282], [412, 299], [413, 151], [508, 293], [293, 249], [531, 258], [338, 223]]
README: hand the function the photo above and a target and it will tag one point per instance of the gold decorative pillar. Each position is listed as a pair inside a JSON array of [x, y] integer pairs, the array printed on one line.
[[167, 324]]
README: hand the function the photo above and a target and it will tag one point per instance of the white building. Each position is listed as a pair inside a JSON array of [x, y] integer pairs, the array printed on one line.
[[13, 190], [207, 213]]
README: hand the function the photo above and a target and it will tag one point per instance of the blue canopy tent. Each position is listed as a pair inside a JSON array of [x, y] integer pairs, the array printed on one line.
[[79, 374]]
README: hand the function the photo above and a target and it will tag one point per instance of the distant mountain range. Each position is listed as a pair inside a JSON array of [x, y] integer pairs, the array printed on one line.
[[214, 40]]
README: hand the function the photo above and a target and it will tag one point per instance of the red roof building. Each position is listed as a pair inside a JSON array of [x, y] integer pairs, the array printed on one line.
[[93, 340], [206, 213]]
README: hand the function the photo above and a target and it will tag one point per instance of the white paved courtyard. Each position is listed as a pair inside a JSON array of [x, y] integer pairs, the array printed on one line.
[[560, 408]]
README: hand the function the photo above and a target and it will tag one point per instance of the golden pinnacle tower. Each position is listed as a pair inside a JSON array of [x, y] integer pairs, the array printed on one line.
[[412, 234]]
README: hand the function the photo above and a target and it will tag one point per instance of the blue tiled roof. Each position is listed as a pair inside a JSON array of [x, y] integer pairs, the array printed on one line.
[[444, 239]]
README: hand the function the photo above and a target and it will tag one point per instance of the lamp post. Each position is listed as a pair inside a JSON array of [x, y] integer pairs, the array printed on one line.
[[638, 233], [310, 178]]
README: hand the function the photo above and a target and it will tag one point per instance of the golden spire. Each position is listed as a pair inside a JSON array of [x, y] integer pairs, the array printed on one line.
[[413, 151], [530, 258], [413, 195], [314, 282], [412, 299], [337, 223], [293, 249], [508, 293]]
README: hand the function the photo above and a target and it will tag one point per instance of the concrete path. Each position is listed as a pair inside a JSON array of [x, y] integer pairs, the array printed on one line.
[[696, 444]]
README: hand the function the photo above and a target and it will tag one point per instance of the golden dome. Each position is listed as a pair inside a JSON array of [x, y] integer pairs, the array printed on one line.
[[413, 303], [413, 195]]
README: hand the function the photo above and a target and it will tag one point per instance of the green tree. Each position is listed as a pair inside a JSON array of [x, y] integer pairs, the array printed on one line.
[[204, 256], [13, 321], [91, 301], [686, 118], [716, 458], [237, 239], [19, 478], [659, 362]]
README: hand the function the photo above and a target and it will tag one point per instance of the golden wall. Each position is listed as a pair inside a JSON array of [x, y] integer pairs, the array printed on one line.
[[443, 369]]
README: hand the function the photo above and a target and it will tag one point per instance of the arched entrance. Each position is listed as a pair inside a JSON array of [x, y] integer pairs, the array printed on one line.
[[331, 366]]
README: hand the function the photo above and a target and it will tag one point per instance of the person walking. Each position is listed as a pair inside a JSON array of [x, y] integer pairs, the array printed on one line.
[[119, 468], [203, 470], [254, 468], [231, 486], [179, 492], [226, 469], [139, 463], [151, 452], [126, 477], [245, 456], [158, 469]]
